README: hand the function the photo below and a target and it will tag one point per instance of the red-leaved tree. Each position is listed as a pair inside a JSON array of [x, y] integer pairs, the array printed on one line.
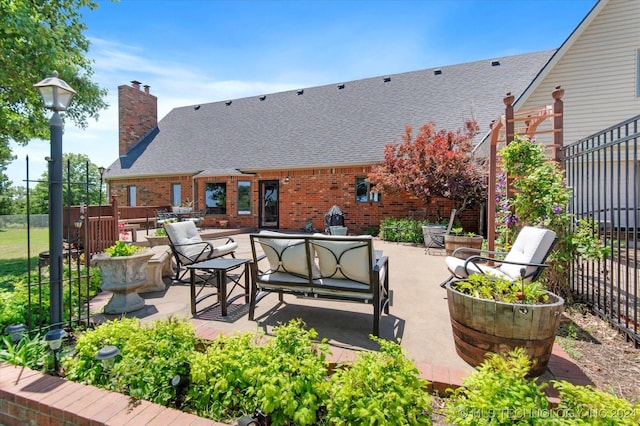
[[434, 163]]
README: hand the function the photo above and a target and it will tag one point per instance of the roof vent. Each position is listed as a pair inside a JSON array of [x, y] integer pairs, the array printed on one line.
[[386, 79], [437, 72], [300, 91], [263, 97], [228, 103], [197, 107], [495, 63], [341, 86]]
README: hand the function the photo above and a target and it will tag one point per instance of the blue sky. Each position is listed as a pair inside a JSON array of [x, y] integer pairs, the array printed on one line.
[[198, 51]]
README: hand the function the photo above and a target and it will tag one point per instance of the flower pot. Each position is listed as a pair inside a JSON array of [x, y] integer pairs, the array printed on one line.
[[452, 242], [155, 240], [433, 235], [480, 326], [122, 276]]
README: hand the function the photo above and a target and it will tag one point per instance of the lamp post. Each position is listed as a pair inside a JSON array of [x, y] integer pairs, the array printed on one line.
[[54, 340], [56, 94], [101, 170]]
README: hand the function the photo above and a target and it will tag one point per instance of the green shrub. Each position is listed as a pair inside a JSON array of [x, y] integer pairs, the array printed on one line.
[[489, 287], [589, 406], [150, 356], [380, 388], [286, 376], [497, 393], [403, 230]]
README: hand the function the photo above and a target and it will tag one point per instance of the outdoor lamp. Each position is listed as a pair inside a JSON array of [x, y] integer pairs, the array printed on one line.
[[77, 223], [54, 340], [107, 356], [15, 331], [56, 94]]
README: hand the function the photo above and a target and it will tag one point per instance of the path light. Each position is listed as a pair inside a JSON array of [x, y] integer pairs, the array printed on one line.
[[107, 356], [54, 340], [56, 94], [15, 331], [258, 419], [179, 382]]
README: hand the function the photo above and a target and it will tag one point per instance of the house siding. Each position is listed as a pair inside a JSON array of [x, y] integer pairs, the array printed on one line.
[[598, 72], [307, 195]]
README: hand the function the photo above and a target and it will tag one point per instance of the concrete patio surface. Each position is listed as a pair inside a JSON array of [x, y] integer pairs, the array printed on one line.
[[418, 318]]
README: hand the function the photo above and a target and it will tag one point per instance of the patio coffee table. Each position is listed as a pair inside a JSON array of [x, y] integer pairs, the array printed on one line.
[[218, 268]]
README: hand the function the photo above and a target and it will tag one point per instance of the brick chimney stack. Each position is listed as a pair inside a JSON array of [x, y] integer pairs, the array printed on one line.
[[137, 114]]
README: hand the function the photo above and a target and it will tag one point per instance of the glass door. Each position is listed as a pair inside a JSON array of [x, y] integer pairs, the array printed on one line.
[[269, 204]]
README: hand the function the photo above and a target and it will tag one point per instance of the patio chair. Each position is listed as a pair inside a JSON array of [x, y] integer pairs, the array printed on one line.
[[525, 260], [434, 237], [188, 246]]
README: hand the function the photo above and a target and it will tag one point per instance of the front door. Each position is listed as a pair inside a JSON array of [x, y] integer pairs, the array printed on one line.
[[269, 204]]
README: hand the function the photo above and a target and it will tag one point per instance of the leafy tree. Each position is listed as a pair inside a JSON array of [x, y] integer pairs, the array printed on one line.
[[36, 38], [76, 173], [434, 163]]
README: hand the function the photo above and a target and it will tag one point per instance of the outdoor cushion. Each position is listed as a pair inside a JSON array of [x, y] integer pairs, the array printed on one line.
[[286, 255], [531, 246], [343, 259], [187, 241]]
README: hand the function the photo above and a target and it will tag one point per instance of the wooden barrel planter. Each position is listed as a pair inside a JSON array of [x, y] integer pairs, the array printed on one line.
[[481, 326], [452, 242]]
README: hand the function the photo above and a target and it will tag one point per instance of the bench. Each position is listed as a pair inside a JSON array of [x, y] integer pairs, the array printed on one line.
[[319, 266], [158, 266]]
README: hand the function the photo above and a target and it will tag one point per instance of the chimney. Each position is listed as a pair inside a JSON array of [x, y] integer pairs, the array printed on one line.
[[137, 115]]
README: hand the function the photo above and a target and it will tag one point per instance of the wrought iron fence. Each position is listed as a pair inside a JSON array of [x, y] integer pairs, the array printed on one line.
[[604, 172]]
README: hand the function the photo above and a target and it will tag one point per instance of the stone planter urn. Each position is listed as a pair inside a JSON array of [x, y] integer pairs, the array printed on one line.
[[480, 326], [155, 240], [122, 276]]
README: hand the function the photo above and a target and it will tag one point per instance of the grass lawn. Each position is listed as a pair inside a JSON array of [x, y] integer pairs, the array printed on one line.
[[13, 242], [13, 252]]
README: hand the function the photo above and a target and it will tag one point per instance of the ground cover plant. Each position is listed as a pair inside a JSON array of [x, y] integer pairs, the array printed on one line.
[[498, 393], [286, 376]]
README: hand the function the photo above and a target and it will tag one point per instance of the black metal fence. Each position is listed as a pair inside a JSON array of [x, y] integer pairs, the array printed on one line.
[[604, 172]]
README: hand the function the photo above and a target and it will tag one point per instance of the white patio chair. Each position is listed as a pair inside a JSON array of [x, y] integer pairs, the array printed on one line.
[[525, 260], [188, 246]]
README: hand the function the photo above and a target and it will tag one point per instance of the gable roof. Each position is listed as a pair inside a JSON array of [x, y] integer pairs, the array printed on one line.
[[343, 124]]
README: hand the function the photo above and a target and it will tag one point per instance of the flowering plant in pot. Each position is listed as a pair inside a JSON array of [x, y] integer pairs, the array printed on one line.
[[123, 267], [493, 314]]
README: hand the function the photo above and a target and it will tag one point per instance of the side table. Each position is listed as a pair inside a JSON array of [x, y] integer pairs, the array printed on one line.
[[219, 267]]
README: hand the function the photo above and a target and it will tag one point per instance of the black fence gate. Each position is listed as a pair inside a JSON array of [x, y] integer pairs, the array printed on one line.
[[604, 172]]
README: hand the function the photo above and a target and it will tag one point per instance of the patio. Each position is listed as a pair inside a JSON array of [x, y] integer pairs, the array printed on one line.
[[419, 315]]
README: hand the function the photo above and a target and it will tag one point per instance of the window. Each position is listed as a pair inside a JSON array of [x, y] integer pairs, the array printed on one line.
[[216, 198], [131, 195], [176, 194], [244, 197], [365, 192]]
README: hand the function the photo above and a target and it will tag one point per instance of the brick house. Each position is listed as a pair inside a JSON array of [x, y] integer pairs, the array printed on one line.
[[280, 160]]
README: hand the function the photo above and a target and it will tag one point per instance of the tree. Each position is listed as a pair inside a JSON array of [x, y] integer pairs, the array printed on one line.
[[76, 173], [36, 38], [436, 163]]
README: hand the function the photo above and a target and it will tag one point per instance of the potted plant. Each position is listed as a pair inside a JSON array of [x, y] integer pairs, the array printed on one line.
[[159, 238], [124, 269], [459, 238], [493, 314]]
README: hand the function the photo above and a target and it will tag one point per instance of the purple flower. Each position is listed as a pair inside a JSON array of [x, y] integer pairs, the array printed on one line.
[[557, 209], [510, 220]]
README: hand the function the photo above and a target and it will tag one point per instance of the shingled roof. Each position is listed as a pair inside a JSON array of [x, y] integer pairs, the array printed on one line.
[[347, 123]]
